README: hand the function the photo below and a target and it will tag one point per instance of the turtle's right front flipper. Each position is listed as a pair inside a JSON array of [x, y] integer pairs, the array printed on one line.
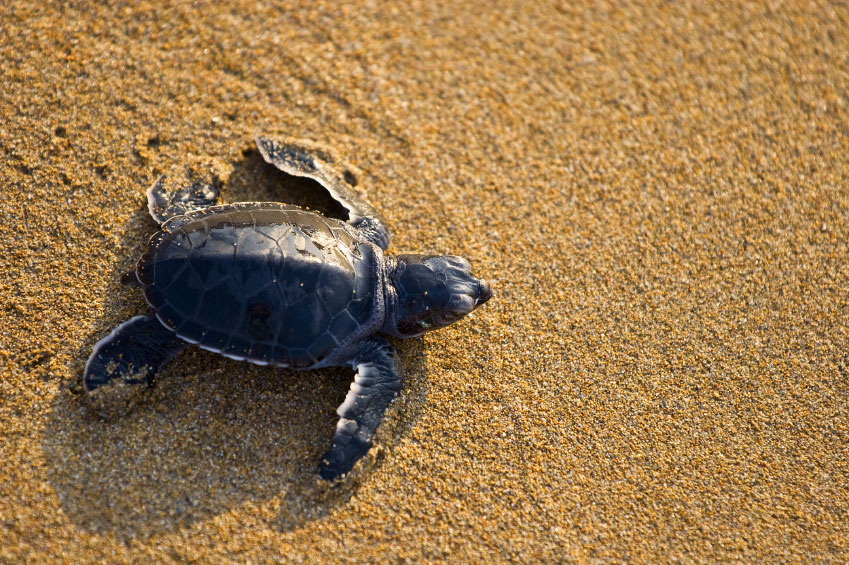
[[127, 360], [377, 383]]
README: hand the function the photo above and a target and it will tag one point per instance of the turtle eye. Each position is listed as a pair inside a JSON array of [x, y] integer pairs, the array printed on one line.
[[450, 317], [418, 323], [414, 327]]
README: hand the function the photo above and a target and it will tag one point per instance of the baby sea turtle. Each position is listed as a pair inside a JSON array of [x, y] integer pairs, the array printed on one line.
[[279, 285]]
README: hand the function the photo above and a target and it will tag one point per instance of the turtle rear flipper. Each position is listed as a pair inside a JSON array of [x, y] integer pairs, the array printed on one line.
[[164, 205], [377, 383], [126, 361], [300, 162]]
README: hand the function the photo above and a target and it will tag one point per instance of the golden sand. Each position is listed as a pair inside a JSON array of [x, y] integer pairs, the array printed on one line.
[[659, 194]]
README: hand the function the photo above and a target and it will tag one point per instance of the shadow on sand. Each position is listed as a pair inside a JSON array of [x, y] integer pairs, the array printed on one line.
[[213, 434]]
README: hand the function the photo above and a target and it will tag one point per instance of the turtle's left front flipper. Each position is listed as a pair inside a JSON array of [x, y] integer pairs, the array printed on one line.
[[377, 383], [131, 355], [294, 159]]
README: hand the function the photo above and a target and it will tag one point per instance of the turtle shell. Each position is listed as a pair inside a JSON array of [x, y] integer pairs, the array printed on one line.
[[269, 283]]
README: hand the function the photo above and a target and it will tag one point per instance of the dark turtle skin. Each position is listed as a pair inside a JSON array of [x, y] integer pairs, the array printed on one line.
[[279, 285]]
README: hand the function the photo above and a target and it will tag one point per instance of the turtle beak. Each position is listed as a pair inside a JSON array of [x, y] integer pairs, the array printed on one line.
[[484, 292]]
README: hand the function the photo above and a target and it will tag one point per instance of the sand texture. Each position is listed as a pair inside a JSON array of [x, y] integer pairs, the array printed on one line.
[[659, 193]]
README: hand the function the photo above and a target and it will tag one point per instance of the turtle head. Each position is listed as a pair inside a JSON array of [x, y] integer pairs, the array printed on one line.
[[427, 292]]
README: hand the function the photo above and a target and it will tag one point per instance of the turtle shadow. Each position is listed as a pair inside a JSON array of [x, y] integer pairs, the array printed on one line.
[[254, 180], [213, 435]]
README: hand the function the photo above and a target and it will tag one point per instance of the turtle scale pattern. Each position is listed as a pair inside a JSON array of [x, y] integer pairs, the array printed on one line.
[[279, 285], [297, 291]]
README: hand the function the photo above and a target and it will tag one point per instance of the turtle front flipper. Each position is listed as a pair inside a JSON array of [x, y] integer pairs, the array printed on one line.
[[377, 383], [298, 161], [164, 205], [126, 361]]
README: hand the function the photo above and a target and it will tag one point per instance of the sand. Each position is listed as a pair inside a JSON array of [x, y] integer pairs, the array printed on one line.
[[658, 193]]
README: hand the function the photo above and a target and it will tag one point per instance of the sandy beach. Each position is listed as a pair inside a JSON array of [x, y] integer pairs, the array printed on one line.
[[658, 192]]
